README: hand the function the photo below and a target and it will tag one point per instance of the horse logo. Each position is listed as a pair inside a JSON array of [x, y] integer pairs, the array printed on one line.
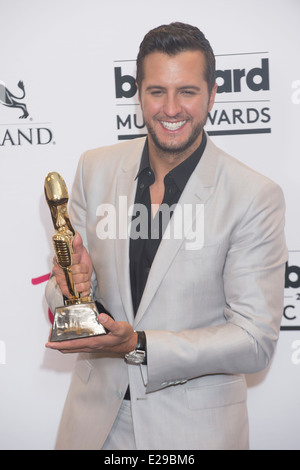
[[12, 101]]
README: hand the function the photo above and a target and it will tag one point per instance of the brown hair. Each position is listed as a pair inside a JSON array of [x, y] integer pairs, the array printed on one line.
[[172, 39]]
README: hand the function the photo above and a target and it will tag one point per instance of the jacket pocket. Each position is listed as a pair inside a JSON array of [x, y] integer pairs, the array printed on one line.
[[216, 396]]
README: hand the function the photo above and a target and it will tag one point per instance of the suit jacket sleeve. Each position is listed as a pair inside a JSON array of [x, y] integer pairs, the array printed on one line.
[[253, 279]]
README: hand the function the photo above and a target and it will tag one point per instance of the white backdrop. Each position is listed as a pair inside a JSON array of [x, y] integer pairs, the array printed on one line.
[[68, 54]]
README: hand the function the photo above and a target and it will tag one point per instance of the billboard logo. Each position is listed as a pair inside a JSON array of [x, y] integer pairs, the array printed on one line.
[[291, 311], [232, 81], [242, 104]]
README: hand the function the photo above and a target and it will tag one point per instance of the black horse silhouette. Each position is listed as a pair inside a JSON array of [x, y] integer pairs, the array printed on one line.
[[12, 101]]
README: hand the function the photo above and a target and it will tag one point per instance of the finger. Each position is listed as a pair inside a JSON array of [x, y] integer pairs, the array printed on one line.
[[81, 269], [108, 322], [83, 289], [82, 283], [56, 267], [77, 244], [86, 344], [67, 346]]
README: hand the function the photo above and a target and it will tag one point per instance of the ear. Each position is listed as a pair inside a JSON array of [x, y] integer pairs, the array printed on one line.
[[212, 97]]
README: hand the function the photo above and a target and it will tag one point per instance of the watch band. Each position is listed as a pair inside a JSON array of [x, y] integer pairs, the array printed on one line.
[[141, 344], [139, 355]]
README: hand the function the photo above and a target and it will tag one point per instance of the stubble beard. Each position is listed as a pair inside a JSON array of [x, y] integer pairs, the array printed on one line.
[[171, 148]]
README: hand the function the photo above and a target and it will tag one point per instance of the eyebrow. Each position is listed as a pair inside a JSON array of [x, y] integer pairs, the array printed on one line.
[[186, 87]]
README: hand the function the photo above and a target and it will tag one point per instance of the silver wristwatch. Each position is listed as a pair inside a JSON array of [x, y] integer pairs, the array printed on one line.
[[138, 356]]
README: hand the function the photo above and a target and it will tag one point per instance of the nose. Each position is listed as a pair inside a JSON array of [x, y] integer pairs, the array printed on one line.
[[172, 106]]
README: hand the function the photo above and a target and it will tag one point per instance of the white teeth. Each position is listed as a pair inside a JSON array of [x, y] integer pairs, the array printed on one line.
[[172, 126]]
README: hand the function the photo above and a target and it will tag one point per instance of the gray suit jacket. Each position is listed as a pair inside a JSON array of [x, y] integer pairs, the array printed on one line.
[[211, 308]]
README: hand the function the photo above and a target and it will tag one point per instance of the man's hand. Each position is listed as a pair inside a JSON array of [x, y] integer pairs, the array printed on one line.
[[121, 339], [82, 269]]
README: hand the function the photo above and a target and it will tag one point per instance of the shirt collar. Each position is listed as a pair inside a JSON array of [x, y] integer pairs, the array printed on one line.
[[145, 164], [181, 173]]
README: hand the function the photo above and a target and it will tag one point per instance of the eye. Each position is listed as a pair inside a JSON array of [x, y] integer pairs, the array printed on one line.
[[156, 92], [188, 92]]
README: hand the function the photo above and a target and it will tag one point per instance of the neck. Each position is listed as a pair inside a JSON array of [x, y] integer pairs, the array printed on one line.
[[162, 162]]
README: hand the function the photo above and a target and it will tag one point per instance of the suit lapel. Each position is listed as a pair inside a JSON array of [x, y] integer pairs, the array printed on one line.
[[197, 191], [125, 195]]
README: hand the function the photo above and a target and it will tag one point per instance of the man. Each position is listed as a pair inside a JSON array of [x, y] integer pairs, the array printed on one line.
[[195, 302]]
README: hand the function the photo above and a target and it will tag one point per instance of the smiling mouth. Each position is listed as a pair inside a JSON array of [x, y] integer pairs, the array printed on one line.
[[173, 126]]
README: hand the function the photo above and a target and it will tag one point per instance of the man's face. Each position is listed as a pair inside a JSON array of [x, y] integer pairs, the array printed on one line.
[[175, 101]]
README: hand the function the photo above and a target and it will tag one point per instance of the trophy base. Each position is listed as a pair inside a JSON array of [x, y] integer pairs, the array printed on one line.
[[76, 320]]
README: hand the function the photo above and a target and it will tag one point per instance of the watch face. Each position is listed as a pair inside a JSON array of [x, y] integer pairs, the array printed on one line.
[[135, 357]]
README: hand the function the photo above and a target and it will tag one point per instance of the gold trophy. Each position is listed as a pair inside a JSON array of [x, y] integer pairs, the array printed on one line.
[[78, 317]]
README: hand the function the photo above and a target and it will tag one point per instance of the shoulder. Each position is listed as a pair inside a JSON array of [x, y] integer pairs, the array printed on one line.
[[239, 188], [100, 165], [126, 152], [235, 176]]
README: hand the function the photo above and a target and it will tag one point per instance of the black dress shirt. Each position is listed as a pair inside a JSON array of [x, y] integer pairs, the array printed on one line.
[[146, 232]]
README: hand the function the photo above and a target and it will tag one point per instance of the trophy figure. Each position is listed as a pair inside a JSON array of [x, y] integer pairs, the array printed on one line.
[[78, 317]]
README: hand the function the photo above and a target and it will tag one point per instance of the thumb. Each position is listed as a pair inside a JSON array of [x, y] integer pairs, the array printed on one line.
[[106, 320], [77, 244]]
